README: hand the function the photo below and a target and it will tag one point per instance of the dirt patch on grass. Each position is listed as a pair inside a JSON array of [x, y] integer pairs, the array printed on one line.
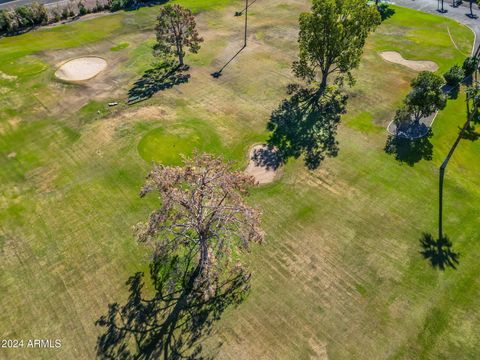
[[81, 69], [7, 77], [263, 164], [103, 132], [417, 65]]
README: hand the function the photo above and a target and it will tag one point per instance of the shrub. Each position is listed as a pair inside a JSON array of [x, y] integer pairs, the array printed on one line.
[[116, 5], [470, 65], [454, 76], [82, 10], [55, 15], [65, 13], [39, 13], [4, 21], [23, 17], [98, 6]]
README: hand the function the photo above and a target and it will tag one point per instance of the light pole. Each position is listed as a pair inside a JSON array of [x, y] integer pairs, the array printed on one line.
[[246, 23]]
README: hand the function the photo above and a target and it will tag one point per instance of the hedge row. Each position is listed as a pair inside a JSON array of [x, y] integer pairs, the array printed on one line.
[[20, 19]]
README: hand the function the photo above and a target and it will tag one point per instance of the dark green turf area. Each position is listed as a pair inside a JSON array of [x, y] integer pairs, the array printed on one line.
[[168, 145]]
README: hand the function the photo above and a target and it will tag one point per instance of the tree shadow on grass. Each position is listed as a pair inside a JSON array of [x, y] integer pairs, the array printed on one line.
[[470, 133], [451, 91], [218, 73], [305, 125], [410, 151], [439, 252], [158, 78], [385, 11], [171, 324]]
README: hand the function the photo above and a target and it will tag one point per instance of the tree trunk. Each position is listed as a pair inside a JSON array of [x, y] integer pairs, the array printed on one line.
[[180, 55], [323, 82], [203, 254]]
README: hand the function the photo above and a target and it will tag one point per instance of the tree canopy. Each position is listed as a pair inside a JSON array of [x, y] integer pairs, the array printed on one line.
[[332, 37], [176, 32], [202, 211], [426, 95]]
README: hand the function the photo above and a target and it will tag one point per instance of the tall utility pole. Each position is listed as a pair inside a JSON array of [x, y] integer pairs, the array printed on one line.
[[246, 23]]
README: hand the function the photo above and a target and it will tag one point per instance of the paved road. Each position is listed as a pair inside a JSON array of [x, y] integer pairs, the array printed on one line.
[[456, 13]]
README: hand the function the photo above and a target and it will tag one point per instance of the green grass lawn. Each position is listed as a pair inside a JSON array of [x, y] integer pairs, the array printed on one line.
[[340, 273]]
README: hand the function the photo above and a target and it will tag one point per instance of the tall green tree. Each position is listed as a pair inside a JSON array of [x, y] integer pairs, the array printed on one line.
[[331, 39], [176, 32], [426, 95]]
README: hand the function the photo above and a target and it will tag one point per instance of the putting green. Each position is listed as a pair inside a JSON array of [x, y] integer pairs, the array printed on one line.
[[165, 145]]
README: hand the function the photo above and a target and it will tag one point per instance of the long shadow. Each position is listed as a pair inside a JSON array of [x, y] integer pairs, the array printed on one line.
[[385, 11], [470, 133], [439, 252], [172, 323], [410, 151], [305, 125], [218, 73], [250, 3], [471, 16], [158, 78]]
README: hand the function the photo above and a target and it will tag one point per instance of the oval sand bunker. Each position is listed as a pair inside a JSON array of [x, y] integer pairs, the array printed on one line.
[[263, 164], [81, 69], [417, 65]]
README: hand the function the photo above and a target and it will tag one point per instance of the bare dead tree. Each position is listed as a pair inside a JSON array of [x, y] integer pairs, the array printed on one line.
[[202, 210]]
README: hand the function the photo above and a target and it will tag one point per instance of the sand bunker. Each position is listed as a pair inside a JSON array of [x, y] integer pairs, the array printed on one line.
[[81, 69], [395, 57], [263, 164]]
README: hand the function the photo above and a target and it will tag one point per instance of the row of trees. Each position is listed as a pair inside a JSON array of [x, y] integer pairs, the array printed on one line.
[[428, 94], [28, 16]]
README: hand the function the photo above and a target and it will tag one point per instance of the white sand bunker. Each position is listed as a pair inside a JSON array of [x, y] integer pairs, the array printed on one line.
[[81, 69], [397, 58], [263, 164]]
